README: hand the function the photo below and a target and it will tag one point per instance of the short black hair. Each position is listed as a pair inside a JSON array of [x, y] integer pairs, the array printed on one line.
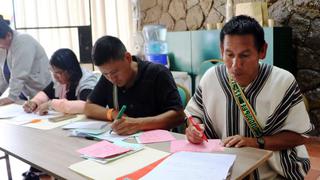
[[244, 25], [107, 49], [66, 60]]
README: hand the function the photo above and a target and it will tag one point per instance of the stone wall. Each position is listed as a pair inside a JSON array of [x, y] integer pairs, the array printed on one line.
[[302, 15], [304, 18]]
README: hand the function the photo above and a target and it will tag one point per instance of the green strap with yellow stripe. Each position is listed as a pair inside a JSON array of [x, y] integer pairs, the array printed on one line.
[[245, 108]]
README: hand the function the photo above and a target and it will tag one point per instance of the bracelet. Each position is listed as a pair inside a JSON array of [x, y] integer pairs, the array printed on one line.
[[109, 114]]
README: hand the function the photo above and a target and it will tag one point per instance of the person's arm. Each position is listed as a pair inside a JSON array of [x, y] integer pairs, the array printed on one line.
[[167, 120], [195, 109], [67, 106], [23, 55], [95, 111], [70, 106], [97, 100], [40, 98], [280, 141]]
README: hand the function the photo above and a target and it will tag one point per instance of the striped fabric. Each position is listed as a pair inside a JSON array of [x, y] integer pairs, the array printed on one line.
[[277, 100]]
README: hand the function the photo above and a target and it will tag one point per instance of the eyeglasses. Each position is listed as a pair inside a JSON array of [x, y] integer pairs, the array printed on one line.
[[57, 71]]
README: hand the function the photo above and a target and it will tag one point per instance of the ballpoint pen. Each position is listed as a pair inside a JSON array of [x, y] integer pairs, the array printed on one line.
[[28, 102], [123, 108], [196, 125]]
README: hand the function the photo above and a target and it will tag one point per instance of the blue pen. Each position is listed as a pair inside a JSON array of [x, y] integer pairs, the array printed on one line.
[[123, 108]]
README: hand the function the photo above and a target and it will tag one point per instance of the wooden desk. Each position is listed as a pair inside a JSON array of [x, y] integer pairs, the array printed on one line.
[[53, 151]]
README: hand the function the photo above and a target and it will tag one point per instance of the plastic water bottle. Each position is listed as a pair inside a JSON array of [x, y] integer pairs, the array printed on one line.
[[156, 47]]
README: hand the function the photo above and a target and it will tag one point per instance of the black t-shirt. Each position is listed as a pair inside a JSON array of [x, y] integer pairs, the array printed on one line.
[[50, 92], [153, 92]]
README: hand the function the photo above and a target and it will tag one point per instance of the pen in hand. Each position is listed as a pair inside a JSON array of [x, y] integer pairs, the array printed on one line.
[[196, 125], [123, 108], [28, 103]]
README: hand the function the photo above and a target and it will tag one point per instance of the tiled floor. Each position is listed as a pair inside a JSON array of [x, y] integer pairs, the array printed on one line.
[[18, 167]]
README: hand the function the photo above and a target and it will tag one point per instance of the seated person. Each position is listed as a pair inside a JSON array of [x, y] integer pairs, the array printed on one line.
[[272, 114], [147, 89], [24, 65], [68, 91]]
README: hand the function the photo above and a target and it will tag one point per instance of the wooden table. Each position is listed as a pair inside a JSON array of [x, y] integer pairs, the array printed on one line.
[[53, 151]]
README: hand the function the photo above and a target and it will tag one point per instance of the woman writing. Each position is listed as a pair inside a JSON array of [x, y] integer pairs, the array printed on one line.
[[68, 91]]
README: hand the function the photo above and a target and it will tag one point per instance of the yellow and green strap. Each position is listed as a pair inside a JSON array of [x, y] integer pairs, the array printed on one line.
[[245, 108]]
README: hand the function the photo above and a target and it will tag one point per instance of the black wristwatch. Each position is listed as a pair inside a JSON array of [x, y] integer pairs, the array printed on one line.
[[260, 141]]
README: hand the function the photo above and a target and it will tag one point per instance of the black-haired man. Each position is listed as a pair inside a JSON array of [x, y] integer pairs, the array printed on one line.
[[147, 89], [248, 104]]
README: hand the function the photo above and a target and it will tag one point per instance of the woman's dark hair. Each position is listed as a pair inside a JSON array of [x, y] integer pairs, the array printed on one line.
[[66, 60], [244, 25]]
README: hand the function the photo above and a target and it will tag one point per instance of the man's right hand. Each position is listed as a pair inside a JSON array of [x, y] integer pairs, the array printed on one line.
[[193, 135], [30, 106]]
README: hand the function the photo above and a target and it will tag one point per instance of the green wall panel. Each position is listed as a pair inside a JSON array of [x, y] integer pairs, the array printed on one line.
[[179, 45], [205, 46]]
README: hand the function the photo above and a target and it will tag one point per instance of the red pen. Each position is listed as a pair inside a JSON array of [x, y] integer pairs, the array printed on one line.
[[196, 125]]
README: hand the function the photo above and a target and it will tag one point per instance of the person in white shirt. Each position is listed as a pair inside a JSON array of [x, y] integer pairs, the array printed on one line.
[[252, 104], [24, 65]]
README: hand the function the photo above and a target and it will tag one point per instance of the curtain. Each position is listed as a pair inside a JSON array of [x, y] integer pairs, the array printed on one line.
[[112, 17], [108, 17]]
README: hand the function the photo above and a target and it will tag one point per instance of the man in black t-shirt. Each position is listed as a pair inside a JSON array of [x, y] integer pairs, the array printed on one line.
[[147, 89]]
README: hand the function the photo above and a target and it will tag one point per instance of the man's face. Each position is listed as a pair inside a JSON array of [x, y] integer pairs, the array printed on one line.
[[241, 57], [6, 41], [118, 72]]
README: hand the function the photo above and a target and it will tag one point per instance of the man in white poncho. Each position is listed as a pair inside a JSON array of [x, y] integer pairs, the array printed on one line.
[[248, 104]]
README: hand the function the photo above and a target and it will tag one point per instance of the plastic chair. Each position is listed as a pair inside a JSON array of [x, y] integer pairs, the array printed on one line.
[[207, 64], [204, 66], [185, 97]]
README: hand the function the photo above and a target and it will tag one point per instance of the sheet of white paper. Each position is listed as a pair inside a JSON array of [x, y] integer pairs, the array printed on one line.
[[192, 165], [11, 110], [86, 125], [28, 117]]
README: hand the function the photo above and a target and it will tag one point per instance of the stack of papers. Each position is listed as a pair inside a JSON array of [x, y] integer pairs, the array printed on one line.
[[133, 149], [86, 125], [154, 136], [87, 128], [103, 149], [121, 167], [112, 136], [192, 165]]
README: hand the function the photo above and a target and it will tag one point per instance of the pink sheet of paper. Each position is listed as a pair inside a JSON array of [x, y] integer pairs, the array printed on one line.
[[155, 136], [102, 149], [185, 145]]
